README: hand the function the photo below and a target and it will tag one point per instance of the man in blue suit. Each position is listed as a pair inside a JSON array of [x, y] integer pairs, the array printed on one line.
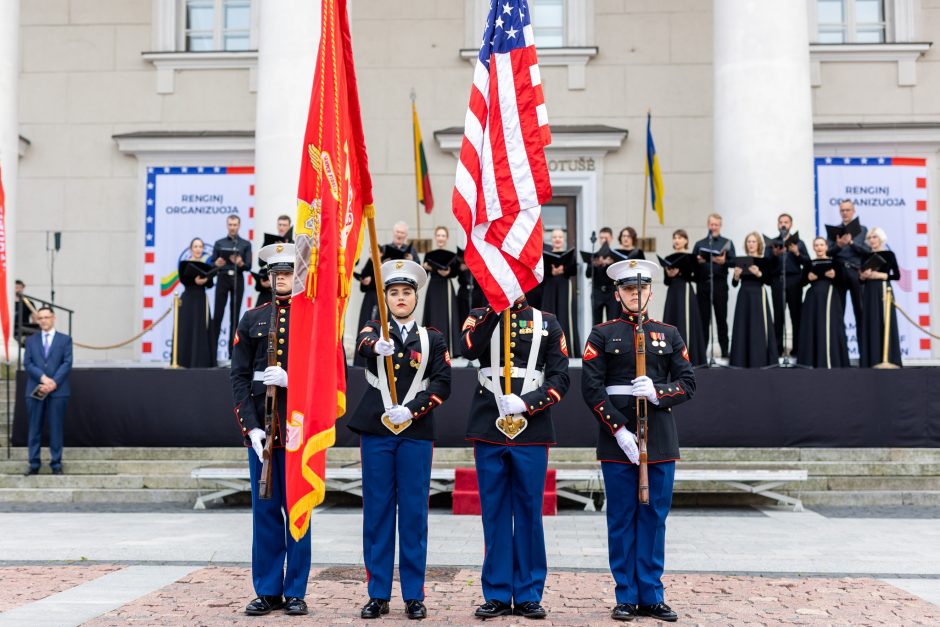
[[48, 363]]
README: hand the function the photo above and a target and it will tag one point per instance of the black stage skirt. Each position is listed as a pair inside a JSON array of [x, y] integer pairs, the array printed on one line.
[[195, 340], [440, 309], [681, 311], [871, 340], [822, 328], [557, 299], [753, 344]]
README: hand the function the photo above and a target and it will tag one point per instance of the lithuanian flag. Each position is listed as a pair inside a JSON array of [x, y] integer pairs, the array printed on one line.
[[653, 172], [422, 180]]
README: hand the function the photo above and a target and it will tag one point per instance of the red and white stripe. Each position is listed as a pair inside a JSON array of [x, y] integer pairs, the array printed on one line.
[[502, 175]]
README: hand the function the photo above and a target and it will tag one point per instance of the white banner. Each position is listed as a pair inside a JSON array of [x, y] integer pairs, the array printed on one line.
[[184, 203], [891, 193]]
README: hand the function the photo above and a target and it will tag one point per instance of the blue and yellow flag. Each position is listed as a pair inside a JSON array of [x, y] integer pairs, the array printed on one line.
[[653, 172]]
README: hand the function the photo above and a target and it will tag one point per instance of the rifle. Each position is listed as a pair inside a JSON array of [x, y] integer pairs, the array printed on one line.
[[271, 421], [642, 409]]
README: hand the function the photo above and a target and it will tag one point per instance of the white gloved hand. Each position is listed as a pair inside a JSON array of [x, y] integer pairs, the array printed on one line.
[[511, 404], [643, 388], [257, 438], [398, 414], [384, 347], [627, 443], [275, 375]]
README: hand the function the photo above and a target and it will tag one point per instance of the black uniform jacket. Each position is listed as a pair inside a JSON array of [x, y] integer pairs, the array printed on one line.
[[250, 358], [552, 360], [610, 359], [407, 358]]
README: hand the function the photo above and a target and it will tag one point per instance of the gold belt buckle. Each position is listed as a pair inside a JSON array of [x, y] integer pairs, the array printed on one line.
[[512, 426]]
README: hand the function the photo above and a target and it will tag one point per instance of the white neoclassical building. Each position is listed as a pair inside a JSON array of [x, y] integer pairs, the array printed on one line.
[[97, 99]]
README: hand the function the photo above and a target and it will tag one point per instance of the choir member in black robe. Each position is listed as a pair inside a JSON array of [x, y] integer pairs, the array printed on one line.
[[681, 308], [195, 349], [753, 344], [558, 290], [604, 305], [876, 275], [440, 303], [627, 239], [822, 327]]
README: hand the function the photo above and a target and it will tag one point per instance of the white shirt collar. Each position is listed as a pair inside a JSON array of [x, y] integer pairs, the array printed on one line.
[[408, 326], [50, 333]]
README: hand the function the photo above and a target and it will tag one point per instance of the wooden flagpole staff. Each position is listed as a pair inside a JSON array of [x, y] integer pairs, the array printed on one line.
[[369, 212]]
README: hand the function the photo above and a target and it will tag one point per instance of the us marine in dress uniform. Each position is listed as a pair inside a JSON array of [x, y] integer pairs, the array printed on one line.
[[271, 539], [511, 468], [397, 441], [636, 533]]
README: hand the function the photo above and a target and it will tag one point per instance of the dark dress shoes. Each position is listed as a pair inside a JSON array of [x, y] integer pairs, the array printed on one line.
[[295, 606], [530, 609], [31, 471], [264, 605], [492, 609], [415, 610], [660, 611], [624, 611], [374, 608], [57, 471]]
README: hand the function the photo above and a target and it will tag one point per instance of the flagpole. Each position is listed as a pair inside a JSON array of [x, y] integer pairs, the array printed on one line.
[[369, 212], [646, 178], [414, 140]]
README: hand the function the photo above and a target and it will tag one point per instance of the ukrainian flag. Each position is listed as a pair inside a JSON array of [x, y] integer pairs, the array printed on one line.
[[653, 172]]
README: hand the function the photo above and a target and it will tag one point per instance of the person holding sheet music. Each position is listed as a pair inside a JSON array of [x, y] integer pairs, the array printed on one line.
[[440, 304], [557, 290], [604, 304], [822, 327], [400, 242], [195, 349], [786, 253], [753, 344], [627, 239], [713, 254], [848, 247], [877, 272], [232, 258], [681, 308]]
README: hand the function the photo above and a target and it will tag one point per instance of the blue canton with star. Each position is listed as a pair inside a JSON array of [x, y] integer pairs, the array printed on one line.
[[503, 31]]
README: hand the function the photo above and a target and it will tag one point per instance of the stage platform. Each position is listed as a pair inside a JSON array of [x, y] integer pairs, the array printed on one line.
[[120, 407]]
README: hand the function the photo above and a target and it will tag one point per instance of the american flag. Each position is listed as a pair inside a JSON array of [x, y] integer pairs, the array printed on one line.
[[502, 175]]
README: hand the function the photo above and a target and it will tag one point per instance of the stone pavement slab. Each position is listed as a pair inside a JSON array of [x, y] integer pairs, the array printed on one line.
[[25, 584], [217, 595], [86, 601], [778, 541]]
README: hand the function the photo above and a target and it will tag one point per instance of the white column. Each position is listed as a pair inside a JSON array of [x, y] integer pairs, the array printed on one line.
[[289, 35], [9, 134], [763, 117]]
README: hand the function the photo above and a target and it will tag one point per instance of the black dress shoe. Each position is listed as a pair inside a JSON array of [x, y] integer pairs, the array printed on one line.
[[492, 609], [31, 471], [624, 611], [530, 609], [57, 471], [660, 611], [374, 608], [264, 605], [295, 606], [415, 610]]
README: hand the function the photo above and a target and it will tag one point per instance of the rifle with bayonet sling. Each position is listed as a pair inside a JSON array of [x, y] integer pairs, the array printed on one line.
[[642, 409], [271, 420]]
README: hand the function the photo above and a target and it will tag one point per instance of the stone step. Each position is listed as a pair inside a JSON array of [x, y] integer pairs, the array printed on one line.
[[98, 482], [67, 495], [865, 498]]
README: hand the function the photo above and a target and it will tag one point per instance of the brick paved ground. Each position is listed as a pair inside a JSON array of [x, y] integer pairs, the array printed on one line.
[[25, 584], [217, 595]]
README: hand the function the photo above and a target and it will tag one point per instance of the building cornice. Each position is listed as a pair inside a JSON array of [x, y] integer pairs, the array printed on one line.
[[185, 142], [904, 54], [599, 138], [167, 63]]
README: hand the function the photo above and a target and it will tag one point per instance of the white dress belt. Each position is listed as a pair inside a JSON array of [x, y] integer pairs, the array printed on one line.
[[258, 376], [620, 390]]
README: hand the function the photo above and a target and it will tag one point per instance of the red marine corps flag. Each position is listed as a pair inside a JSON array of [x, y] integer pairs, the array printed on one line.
[[502, 176], [334, 190]]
